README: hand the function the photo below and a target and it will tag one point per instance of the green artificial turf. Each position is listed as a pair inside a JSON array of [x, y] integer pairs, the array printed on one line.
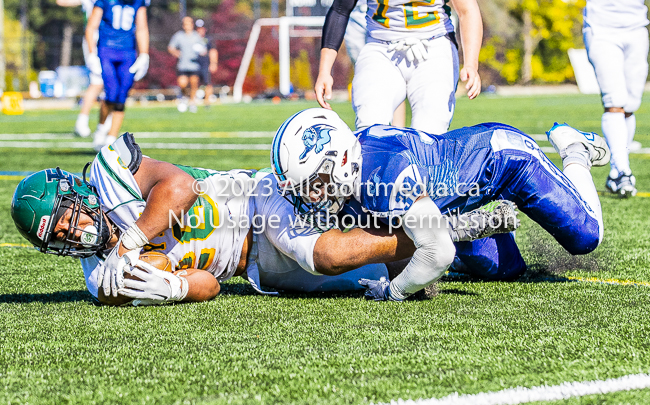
[[57, 347]]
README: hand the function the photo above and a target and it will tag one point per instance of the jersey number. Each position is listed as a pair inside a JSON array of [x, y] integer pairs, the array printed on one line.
[[412, 18], [123, 17]]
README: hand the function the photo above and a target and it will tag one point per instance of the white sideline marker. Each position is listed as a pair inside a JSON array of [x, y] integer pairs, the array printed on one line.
[[15, 141], [522, 395]]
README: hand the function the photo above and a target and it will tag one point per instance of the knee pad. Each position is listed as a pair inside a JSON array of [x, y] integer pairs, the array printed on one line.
[[633, 104], [115, 106], [618, 98]]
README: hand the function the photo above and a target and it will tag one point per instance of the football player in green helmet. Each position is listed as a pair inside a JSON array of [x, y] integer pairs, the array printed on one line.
[[42, 199], [203, 220]]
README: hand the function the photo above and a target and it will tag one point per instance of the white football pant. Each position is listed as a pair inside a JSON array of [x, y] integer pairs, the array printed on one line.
[[383, 79], [620, 60]]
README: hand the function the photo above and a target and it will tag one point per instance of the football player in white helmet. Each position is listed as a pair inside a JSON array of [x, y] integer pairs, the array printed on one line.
[[407, 177], [411, 52], [237, 225], [616, 38]]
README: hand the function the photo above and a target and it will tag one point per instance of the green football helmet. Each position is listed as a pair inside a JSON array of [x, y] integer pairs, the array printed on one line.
[[43, 197]]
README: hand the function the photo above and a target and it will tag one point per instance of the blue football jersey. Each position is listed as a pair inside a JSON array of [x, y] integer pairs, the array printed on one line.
[[401, 164], [117, 28]]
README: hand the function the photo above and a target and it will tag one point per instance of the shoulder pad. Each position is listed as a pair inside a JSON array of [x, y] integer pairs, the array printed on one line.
[[129, 152]]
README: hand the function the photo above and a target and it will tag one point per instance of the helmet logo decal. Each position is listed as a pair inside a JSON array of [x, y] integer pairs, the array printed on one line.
[[89, 235], [52, 175], [42, 226], [315, 138]]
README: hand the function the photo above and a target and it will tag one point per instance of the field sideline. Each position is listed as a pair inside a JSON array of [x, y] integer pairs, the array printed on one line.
[[569, 319]]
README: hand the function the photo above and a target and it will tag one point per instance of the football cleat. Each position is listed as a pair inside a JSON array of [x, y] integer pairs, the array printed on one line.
[[562, 135], [498, 216], [623, 185]]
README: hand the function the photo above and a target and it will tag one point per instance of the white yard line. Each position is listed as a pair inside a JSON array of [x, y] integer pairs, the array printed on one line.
[[13, 141], [522, 395], [166, 145], [178, 135]]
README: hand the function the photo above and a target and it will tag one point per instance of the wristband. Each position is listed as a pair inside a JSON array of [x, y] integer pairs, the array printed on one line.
[[133, 238]]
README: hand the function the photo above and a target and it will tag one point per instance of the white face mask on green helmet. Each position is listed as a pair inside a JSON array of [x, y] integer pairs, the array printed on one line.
[[43, 197]]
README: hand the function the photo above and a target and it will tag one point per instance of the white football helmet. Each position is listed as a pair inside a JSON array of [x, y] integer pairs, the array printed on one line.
[[316, 159]]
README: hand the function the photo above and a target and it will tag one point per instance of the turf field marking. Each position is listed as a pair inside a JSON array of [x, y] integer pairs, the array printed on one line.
[[15, 245], [180, 135], [11, 177], [176, 146], [608, 281], [560, 279], [522, 395]]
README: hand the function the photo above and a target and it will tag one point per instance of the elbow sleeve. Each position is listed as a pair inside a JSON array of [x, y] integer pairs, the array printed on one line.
[[435, 251], [336, 23]]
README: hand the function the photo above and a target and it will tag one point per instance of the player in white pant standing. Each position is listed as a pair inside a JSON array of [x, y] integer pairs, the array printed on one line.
[[410, 53], [96, 86], [355, 39], [616, 39]]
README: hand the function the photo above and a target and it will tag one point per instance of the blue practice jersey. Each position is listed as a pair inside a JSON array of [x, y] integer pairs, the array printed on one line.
[[117, 29], [401, 164]]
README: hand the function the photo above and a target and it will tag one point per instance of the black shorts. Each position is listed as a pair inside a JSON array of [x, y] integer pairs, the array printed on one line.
[[205, 76], [187, 73]]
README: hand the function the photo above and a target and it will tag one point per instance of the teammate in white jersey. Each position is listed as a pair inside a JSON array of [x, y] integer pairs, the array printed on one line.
[[411, 52], [616, 39], [81, 127]]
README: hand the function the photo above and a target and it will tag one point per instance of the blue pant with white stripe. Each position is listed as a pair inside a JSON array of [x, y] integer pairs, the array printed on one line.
[[542, 192]]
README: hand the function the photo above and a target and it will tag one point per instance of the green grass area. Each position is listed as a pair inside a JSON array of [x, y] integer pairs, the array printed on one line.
[[57, 347]]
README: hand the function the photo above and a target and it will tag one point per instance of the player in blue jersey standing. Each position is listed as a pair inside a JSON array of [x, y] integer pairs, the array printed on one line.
[[408, 178], [122, 25]]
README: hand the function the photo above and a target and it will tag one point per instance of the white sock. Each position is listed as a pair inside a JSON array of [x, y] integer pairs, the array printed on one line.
[[102, 129], [616, 135], [108, 122], [82, 119], [577, 153], [631, 128], [581, 178]]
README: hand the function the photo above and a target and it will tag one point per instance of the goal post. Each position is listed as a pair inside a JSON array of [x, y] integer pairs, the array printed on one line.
[[284, 25]]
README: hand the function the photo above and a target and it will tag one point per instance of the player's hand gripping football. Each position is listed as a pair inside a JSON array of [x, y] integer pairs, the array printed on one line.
[[152, 285], [111, 275], [140, 66]]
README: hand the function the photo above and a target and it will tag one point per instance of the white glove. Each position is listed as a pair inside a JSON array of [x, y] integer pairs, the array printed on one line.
[[153, 285], [140, 66], [94, 64], [415, 49], [111, 275]]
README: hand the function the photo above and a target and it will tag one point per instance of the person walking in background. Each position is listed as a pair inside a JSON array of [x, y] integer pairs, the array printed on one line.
[[209, 62], [616, 38], [82, 127], [187, 45], [122, 24]]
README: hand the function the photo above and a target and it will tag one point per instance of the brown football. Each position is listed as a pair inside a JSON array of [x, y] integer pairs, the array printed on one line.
[[157, 260]]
